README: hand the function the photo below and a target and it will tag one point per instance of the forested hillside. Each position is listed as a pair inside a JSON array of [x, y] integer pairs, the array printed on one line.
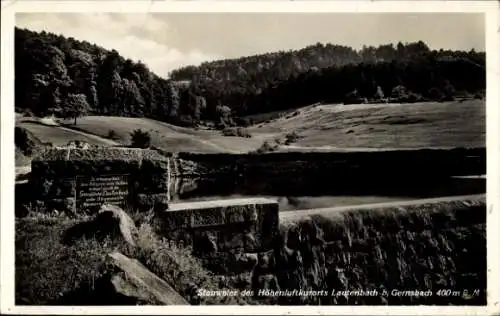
[[69, 78], [332, 73]]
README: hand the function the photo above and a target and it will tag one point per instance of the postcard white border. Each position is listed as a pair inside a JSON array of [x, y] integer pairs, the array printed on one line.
[[9, 8]]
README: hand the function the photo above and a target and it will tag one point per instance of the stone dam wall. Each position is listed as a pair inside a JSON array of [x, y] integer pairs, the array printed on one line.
[[427, 248], [140, 179], [416, 247], [385, 251]]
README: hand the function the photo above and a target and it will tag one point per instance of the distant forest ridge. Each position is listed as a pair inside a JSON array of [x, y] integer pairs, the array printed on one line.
[[67, 77]]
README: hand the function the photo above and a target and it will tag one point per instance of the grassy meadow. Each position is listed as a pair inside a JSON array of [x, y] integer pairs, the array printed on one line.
[[431, 124], [319, 127], [59, 136]]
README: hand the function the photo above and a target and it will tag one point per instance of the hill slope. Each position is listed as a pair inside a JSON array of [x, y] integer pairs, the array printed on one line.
[[319, 127], [448, 124], [69, 78], [332, 74]]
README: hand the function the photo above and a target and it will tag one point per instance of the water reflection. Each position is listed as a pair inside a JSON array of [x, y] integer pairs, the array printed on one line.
[[305, 193]]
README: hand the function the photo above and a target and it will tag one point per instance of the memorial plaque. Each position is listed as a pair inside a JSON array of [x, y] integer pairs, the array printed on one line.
[[92, 192]]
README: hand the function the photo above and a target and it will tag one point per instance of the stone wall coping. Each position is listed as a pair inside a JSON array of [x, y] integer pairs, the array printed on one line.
[[101, 153], [186, 206], [291, 217]]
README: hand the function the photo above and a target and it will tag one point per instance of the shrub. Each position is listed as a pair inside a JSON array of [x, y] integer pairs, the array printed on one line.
[[174, 263], [435, 94], [140, 139], [186, 121], [243, 121], [291, 137], [28, 113], [414, 97], [229, 132], [243, 132], [239, 132], [266, 147], [26, 141], [112, 134]]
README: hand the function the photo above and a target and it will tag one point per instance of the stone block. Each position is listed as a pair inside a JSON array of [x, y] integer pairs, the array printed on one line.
[[239, 214], [248, 225], [87, 175], [207, 217], [171, 221], [234, 240], [146, 202]]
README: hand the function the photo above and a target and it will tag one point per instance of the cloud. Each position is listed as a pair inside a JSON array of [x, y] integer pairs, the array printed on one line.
[[134, 36], [165, 41]]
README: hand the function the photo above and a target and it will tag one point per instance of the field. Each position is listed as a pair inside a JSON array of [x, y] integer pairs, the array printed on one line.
[[166, 135], [449, 124], [320, 127], [59, 136]]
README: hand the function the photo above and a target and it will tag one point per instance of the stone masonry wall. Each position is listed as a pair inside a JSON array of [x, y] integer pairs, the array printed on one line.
[[428, 247], [56, 173], [218, 230]]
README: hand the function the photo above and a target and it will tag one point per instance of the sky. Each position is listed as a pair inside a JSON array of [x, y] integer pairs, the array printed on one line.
[[166, 41]]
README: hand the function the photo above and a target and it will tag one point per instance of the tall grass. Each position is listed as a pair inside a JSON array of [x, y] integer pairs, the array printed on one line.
[[50, 271]]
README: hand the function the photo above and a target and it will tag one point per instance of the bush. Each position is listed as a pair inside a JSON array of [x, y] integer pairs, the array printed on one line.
[[140, 139], [243, 121], [229, 132], [174, 263], [239, 132], [28, 113], [186, 121], [112, 134], [243, 132], [266, 148], [291, 138], [435, 94], [26, 141]]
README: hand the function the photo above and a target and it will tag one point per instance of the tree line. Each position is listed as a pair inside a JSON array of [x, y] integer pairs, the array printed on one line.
[[65, 77], [68, 78], [407, 72]]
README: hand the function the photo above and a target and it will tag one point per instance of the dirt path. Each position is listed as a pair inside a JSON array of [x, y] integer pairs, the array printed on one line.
[[291, 216]]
